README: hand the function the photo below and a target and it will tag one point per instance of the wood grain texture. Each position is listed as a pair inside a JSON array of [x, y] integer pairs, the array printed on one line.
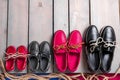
[[40, 20], [60, 19], [18, 24], [61, 15], [79, 20], [79, 15], [40, 28], [3, 26], [119, 10], [103, 13]]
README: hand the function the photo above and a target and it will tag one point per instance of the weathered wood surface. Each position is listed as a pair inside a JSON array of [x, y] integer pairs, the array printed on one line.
[[103, 13], [3, 26], [22, 21], [61, 16], [61, 23], [40, 22], [79, 20], [17, 23]]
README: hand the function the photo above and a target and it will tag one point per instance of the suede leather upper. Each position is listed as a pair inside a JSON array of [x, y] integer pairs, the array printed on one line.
[[60, 50], [75, 48]]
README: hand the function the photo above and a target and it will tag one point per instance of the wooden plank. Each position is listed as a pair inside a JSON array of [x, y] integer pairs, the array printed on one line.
[[18, 23], [41, 22], [119, 9], [3, 26], [60, 19], [61, 15], [106, 12], [79, 20]]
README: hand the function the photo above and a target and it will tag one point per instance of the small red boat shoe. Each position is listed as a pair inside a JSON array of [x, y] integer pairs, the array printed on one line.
[[74, 48], [10, 58], [60, 50], [21, 60]]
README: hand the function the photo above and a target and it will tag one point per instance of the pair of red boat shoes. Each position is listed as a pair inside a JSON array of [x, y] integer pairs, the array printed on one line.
[[67, 51], [16, 57]]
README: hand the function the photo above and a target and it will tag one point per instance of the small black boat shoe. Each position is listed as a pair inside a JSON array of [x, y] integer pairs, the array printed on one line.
[[45, 56], [40, 56], [33, 57]]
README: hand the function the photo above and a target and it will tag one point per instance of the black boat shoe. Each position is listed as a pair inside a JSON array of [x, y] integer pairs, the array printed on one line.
[[40, 56], [107, 48], [45, 56], [92, 40], [34, 56]]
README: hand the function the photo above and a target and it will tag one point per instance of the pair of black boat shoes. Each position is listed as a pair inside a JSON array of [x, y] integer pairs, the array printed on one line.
[[40, 56], [100, 48]]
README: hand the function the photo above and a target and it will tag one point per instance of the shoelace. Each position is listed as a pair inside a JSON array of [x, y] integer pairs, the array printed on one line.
[[109, 44], [62, 46], [100, 40], [60, 75], [16, 55], [96, 43], [10, 56], [68, 47]]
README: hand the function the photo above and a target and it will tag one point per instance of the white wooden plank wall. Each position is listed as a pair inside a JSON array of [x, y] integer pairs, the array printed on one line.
[[47, 16], [18, 23], [40, 28], [103, 13], [79, 20], [40, 20], [3, 26], [61, 18]]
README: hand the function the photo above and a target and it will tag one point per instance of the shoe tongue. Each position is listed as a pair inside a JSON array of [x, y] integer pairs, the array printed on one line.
[[60, 51], [97, 48], [34, 52], [109, 49], [75, 50]]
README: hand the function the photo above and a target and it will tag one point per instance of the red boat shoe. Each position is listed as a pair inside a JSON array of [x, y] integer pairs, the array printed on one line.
[[75, 47], [60, 50], [21, 60], [10, 58]]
